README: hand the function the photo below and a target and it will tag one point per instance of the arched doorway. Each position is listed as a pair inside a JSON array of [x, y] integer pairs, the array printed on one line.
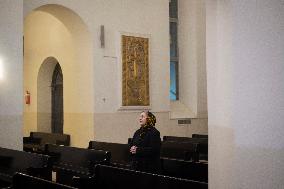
[[49, 76], [57, 100]]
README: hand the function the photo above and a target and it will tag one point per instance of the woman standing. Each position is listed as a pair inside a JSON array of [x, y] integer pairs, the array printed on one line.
[[145, 145]]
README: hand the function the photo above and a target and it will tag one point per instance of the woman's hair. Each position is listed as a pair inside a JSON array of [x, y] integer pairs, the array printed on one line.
[[151, 119]]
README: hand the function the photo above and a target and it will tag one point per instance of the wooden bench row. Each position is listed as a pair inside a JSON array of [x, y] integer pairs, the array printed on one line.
[[69, 162], [108, 177], [191, 149], [185, 148], [194, 150], [36, 141], [177, 159], [65, 161], [21, 180], [12, 161]]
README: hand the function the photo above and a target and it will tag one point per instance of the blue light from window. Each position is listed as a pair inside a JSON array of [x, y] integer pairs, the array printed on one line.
[[173, 86]]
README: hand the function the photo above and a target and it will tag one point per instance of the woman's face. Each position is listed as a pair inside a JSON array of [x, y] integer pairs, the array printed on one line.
[[143, 118]]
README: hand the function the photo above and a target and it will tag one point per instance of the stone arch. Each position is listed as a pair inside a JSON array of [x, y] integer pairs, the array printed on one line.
[[56, 31]]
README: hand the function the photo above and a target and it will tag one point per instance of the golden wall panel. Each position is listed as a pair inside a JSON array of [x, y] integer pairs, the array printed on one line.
[[135, 71]]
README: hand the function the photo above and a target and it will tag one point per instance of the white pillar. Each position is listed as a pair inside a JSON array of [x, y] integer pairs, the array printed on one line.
[[245, 67], [11, 78]]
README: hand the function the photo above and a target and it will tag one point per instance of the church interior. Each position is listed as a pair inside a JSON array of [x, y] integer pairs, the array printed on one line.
[[76, 75]]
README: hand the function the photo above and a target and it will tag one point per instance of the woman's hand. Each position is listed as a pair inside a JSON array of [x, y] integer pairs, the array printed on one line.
[[133, 149]]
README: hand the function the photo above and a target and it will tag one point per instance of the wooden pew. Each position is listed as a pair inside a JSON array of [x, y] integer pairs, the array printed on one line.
[[201, 145], [12, 161], [196, 139], [119, 152], [179, 150], [36, 141], [197, 171], [109, 177], [71, 161], [199, 136], [166, 182], [176, 138], [21, 181]]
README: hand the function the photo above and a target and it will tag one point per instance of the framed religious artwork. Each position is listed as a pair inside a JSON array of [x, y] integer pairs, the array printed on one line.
[[135, 71]]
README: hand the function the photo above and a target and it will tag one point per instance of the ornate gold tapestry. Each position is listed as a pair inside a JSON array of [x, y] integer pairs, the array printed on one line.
[[135, 71]]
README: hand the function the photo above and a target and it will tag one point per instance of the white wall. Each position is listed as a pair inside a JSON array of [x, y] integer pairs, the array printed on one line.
[[245, 93], [11, 86], [137, 17]]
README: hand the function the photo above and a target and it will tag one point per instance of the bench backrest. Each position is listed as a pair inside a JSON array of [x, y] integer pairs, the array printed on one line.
[[21, 180], [197, 171], [52, 138], [185, 139], [179, 150], [201, 145], [173, 183], [199, 136], [77, 157], [119, 152], [108, 177], [12, 161], [112, 177]]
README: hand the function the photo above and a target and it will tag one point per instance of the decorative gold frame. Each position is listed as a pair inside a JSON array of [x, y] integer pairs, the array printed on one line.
[[135, 71]]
